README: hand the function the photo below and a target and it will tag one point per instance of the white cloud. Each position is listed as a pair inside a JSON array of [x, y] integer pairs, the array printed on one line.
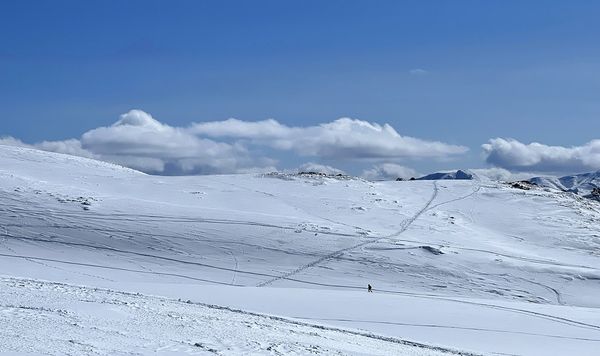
[[319, 168], [501, 174], [70, 147], [265, 129], [536, 157], [144, 164], [388, 171], [139, 141], [343, 138], [11, 141]]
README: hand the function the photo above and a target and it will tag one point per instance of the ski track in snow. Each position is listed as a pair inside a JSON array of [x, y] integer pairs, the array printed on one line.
[[405, 225], [478, 186], [451, 327], [157, 257]]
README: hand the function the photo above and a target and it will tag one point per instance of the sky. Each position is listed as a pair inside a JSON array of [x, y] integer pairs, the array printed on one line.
[[372, 88]]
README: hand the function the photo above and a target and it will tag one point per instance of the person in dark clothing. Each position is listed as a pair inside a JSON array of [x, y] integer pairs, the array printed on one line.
[[369, 288]]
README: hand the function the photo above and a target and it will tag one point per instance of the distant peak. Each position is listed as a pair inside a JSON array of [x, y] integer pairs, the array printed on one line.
[[459, 175]]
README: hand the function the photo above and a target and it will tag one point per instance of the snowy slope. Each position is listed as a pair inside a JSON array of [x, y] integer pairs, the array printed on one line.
[[107, 253], [582, 184]]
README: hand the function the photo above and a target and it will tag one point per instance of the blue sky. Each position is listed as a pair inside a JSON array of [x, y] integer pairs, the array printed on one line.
[[459, 72]]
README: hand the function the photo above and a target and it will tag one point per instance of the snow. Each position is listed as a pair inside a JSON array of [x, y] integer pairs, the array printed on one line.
[[581, 184], [81, 320], [97, 258]]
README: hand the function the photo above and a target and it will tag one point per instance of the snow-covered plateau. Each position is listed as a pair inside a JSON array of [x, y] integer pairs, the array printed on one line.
[[97, 259]]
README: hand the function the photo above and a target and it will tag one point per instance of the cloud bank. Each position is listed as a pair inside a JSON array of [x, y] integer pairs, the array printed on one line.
[[139, 141], [536, 157], [343, 138], [388, 171], [501, 174]]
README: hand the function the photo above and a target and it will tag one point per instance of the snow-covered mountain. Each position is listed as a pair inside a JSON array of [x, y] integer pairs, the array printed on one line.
[[459, 174], [582, 184], [100, 259]]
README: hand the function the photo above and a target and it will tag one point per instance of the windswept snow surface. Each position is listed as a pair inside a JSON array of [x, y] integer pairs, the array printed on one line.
[[99, 259]]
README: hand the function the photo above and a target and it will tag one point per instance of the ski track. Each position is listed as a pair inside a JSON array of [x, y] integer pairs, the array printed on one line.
[[235, 268], [450, 327], [475, 191], [405, 225], [83, 264], [555, 291], [33, 260], [143, 255], [157, 218], [128, 234]]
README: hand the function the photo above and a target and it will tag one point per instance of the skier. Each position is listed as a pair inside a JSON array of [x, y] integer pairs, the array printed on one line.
[[369, 288]]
